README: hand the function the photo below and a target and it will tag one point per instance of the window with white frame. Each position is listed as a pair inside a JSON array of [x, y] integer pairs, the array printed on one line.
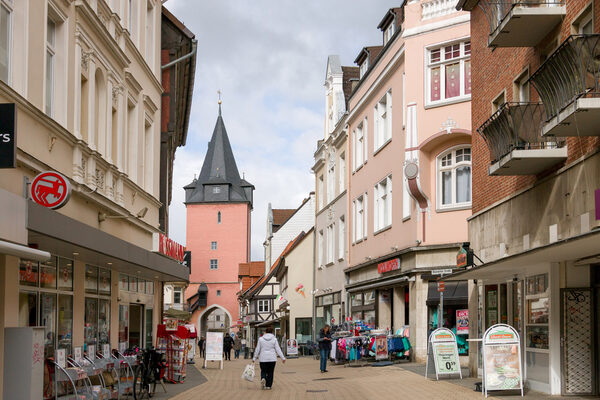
[[50, 53], [383, 121], [321, 193], [341, 237], [5, 39], [264, 306], [320, 249], [449, 72], [330, 243], [454, 178], [214, 264], [177, 295], [383, 204], [359, 218], [364, 67], [331, 181], [388, 33], [213, 245], [342, 172], [359, 145]]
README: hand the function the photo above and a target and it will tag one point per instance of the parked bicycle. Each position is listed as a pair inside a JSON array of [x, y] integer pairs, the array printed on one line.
[[148, 373]]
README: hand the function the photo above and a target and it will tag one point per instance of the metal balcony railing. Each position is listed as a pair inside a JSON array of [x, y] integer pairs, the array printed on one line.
[[497, 10], [571, 72], [516, 126]]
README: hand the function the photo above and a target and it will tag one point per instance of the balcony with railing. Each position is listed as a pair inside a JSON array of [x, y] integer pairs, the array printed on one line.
[[521, 23], [513, 136], [437, 8], [568, 83]]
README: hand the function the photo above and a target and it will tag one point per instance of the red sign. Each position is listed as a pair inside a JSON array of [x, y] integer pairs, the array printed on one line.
[[50, 189], [168, 247], [441, 286], [389, 265]]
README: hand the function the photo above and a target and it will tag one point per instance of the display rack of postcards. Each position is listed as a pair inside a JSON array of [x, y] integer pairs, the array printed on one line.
[[109, 376], [125, 373], [174, 344], [71, 382], [94, 374]]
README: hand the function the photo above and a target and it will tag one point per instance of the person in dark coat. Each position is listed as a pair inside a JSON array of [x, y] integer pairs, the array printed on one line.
[[324, 346], [227, 346], [237, 346], [201, 346]]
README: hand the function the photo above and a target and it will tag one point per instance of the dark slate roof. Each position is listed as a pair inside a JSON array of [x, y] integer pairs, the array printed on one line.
[[219, 169]]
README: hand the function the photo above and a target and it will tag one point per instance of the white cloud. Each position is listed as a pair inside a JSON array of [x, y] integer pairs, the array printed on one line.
[[269, 59]]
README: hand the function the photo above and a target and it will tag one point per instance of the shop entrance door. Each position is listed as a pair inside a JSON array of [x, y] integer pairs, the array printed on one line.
[[136, 319], [578, 341]]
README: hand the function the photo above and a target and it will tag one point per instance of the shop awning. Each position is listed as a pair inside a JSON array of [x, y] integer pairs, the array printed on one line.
[[581, 249], [269, 322], [21, 251], [179, 314], [456, 294], [376, 284]]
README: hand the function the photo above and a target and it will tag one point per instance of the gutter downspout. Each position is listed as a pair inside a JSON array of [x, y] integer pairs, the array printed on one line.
[[185, 57]]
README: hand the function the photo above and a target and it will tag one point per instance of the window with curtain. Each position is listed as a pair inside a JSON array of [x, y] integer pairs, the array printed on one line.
[[454, 178], [383, 204], [383, 121], [449, 72], [359, 218]]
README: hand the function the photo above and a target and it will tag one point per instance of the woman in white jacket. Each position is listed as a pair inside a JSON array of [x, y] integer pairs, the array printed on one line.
[[267, 351]]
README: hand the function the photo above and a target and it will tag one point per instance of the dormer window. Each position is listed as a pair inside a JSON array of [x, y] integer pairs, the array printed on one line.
[[216, 189], [364, 67], [388, 33]]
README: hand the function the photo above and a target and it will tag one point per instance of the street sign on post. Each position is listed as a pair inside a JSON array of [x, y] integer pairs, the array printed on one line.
[[441, 287]]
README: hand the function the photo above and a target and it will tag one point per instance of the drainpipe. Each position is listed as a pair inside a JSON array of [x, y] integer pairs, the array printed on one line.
[[185, 57], [314, 276]]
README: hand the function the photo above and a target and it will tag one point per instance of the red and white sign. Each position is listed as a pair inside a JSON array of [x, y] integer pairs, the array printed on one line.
[[168, 247], [441, 286], [51, 189], [387, 266]]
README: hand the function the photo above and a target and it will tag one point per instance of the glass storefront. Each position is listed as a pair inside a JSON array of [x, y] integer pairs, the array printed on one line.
[[97, 305], [328, 308], [364, 307]]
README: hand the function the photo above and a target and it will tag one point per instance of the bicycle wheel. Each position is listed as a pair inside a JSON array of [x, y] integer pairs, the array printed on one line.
[[140, 384]]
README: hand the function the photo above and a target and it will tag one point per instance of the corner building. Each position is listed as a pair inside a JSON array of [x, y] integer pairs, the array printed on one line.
[[409, 123], [536, 203]]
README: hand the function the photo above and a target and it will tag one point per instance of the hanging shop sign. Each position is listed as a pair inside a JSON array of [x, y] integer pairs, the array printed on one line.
[[464, 258], [389, 265], [51, 189], [187, 259], [502, 368], [462, 322], [168, 247], [442, 347], [8, 136], [381, 348], [292, 347], [214, 346], [171, 324]]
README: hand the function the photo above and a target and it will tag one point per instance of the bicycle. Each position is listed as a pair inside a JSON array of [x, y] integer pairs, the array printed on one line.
[[148, 373]]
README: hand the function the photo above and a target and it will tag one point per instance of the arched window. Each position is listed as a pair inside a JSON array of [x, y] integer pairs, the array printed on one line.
[[219, 217], [454, 178]]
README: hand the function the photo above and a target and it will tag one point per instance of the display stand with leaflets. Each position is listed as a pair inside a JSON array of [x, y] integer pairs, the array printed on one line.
[[193, 339], [502, 369], [99, 390], [214, 348], [71, 381], [292, 348], [174, 344], [442, 347]]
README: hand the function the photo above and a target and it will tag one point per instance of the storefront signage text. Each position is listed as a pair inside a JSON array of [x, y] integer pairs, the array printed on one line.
[[387, 266], [8, 136], [442, 345], [502, 368], [51, 189], [462, 322], [168, 247]]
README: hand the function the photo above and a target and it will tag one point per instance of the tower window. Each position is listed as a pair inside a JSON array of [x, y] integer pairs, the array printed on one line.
[[214, 264], [219, 217], [218, 292], [213, 245]]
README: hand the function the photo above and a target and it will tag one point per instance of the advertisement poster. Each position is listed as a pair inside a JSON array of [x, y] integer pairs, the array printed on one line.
[[61, 358], [381, 347], [106, 350], [462, 322], [502, 359], [77, 355], [292, 347], [214, 346], [446, 358], [91, 351]]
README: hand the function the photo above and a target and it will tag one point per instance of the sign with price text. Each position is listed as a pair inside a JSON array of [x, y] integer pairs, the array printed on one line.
[[444, 350]]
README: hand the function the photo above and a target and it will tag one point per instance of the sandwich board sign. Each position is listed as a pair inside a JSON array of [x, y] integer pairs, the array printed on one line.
[[442, 347], [502, 369], [214, 347]]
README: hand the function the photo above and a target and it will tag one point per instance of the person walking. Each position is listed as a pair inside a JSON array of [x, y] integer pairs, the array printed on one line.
[[227, 345], [201, 346], [267, 351], [237, 346], [324, 346]]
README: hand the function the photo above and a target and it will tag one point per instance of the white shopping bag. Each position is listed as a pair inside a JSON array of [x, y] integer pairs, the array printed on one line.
[[248, 373]]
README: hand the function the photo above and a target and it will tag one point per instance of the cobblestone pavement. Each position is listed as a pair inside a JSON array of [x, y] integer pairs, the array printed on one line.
[[301, 379]]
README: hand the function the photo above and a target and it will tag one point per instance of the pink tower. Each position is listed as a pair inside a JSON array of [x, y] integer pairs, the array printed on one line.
[[218, 206]]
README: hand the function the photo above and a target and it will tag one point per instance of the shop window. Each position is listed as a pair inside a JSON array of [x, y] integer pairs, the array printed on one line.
[[91, 321], [149, 326], [133, 284], [65, 322], [370, 298], [357, 300], [48, 274], [48, 317], [303, 329], [123, 323], [91, 279], [123, 282], [149, 287], [27, 309], [103, 321], [65, 274], [328, 300], [538, 312], [28, 273], [141, 286], [454, 178]]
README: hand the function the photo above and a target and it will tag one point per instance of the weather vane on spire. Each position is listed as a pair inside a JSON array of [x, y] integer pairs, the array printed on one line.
[[219, 93]]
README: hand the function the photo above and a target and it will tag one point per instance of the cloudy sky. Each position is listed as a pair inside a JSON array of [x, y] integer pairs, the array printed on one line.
[[268, 57]]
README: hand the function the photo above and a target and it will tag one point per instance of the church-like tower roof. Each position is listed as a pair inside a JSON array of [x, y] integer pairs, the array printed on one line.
[[219, 179]]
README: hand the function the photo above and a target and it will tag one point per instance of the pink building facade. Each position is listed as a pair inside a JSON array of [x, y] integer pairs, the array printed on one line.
[[409, 123], [219, 205]]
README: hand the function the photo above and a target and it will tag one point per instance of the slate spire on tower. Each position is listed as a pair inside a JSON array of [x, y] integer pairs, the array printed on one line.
[[219, 180]]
